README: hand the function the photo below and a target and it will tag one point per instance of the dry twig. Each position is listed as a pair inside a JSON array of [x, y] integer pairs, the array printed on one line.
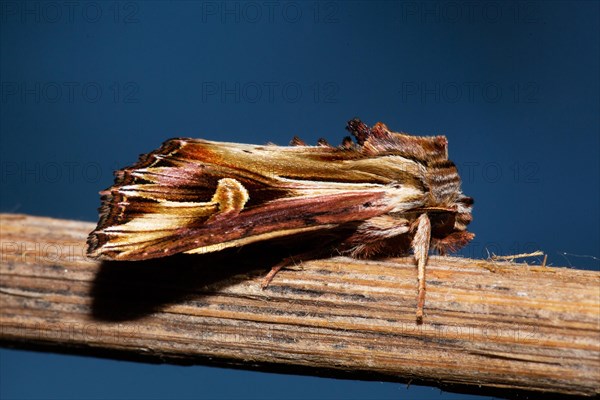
[[517, 329]]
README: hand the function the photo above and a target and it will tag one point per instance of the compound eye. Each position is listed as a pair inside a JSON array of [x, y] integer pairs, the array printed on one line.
[[442, 224]]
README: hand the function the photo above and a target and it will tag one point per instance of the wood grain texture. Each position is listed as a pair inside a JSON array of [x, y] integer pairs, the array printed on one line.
[[487, 324]]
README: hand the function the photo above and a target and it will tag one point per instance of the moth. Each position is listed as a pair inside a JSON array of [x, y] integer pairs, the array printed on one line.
[[383, 194]]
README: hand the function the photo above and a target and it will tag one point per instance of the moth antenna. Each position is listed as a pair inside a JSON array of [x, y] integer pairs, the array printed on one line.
[[296, 141]]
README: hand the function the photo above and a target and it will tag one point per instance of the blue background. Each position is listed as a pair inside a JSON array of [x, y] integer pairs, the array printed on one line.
[[88, 86]]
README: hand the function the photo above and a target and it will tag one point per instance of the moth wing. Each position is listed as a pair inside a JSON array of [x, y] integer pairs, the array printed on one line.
[[170, 202], [157, 235]]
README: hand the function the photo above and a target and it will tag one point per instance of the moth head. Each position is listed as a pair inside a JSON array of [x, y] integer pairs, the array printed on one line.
[[449, 229]]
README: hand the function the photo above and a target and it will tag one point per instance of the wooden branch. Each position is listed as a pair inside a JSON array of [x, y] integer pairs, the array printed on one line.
[[487, 324]]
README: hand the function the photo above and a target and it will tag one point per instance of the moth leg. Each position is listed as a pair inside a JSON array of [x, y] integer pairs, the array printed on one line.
[[269, 277], [420, 245], [371, 234], [309, 255]]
